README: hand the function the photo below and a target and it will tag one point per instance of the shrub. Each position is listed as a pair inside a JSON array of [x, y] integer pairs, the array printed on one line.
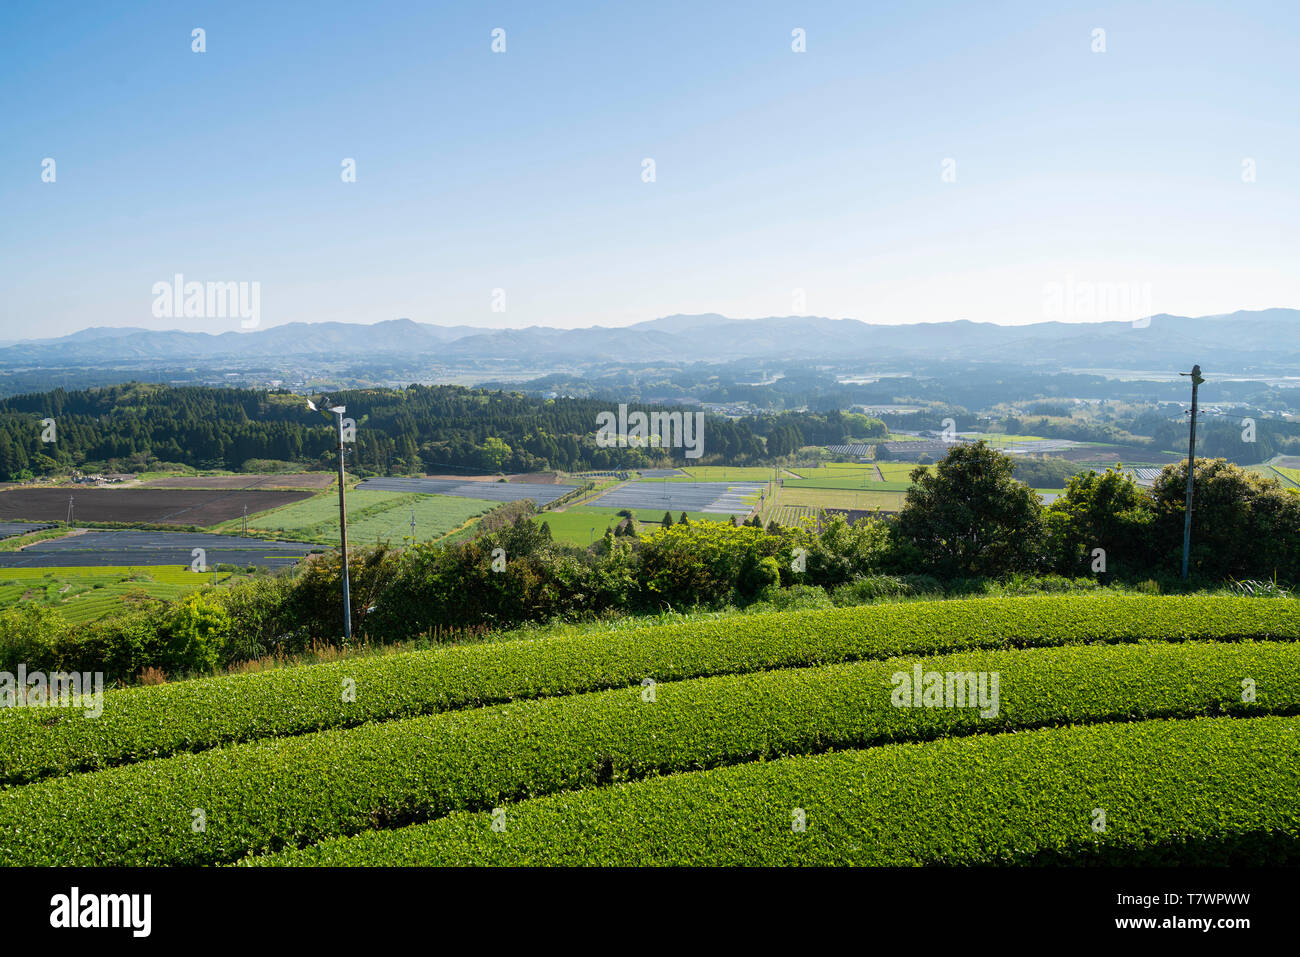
[[706, 563], [198, 630], [28, 635], [313, 602], [760, 574], [871, 588], [794, 598], [1106, 511]]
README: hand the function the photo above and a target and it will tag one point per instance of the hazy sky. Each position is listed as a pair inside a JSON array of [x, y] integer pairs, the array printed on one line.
[[775, 171]]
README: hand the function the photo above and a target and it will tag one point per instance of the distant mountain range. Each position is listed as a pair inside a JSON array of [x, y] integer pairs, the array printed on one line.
[[1267, 339]]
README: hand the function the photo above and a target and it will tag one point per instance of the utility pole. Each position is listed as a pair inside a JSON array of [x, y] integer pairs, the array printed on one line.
[[245, 519], [1191, 466], [412, 524], [69, 511]]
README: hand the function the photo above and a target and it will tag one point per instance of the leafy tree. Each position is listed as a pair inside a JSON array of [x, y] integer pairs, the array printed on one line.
[[1106, 511], [841, 552], [969, 517], [1242, 524], [495, 453]]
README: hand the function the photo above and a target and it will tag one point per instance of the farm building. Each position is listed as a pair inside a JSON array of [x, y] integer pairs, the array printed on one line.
[[912, 451]]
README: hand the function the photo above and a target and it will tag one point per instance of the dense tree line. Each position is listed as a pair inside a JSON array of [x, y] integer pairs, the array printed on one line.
[[420, 428]]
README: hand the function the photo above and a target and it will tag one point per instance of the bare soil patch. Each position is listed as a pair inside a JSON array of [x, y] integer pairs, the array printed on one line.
[[200, 507]]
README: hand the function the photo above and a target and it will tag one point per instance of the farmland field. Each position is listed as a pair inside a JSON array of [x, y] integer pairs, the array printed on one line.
[[657, 496], [1101, 455], [723, 473], [553, 751], [885, 499], [201, 507], [900, 471], [1288, 476], [855, 481], [106, 548], [294, 480], [16, 529], [791, 515], [846, 474], [1000, 440], [833, 469], [373, 516], [581, 524], [543, 493]]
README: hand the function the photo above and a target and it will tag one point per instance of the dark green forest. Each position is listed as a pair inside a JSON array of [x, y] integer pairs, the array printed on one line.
[[137, 426]]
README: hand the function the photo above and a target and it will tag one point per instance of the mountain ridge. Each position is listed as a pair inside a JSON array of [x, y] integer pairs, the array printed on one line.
[[1238, 336]]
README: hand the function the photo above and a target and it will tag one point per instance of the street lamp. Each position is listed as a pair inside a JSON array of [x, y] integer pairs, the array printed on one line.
[[1196, 378], [338, 411]]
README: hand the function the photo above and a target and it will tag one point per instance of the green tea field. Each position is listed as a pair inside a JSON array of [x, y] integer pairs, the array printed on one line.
[[85, 594], [1041, 730]]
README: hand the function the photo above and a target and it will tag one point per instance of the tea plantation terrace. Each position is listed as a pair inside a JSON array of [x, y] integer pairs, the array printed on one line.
[[492, 491], [534, 752]]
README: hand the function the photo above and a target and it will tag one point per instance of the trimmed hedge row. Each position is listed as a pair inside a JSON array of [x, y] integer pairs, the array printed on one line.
[[143, 723], [295, 791], [1212, 791]]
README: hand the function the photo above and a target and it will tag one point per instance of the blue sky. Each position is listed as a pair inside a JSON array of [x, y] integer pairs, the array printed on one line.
[[775, 171]]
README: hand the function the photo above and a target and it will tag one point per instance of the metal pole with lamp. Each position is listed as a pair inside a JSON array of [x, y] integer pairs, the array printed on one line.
[[338, 411], [1191, 466]]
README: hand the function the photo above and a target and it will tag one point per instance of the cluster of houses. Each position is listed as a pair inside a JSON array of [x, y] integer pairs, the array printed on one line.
[[98, 479]]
